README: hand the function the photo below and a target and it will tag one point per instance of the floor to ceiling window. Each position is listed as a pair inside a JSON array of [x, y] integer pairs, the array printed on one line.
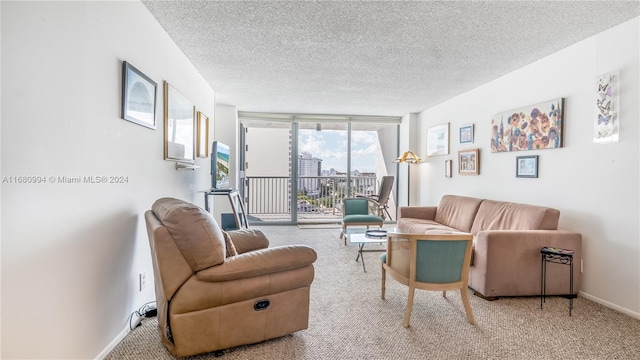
[[298, 168]]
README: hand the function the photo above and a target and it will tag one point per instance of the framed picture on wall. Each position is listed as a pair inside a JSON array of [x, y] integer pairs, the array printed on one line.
[[202, 139], [139, 95], [527, 166], [466, 134], [179, 143], [469, 162], [532, 127], [605, 123], [438, 140]]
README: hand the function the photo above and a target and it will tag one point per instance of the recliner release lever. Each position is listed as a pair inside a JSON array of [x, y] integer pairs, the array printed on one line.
[[261, 305]]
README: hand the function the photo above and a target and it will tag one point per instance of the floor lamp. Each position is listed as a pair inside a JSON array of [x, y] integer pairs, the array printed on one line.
[[408, 157]]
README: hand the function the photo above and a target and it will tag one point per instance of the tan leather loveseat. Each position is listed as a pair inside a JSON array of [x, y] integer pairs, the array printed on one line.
[[506, 258], [210, 298]]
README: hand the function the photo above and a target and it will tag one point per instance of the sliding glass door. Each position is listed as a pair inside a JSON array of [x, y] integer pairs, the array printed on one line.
[[299, 168], [322, 160]]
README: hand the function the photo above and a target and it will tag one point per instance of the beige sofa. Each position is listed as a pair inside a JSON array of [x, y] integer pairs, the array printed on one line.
[[507, 241], [217, 290]]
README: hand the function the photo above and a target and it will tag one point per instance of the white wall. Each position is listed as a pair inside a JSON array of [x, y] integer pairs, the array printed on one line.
[[273, 142], [71, 253], [410, 141], [595, 186]]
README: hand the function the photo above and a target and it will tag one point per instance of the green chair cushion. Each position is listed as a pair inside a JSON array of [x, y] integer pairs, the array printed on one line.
[[440, 261], [361, 219], [383, 258], [355, 206]]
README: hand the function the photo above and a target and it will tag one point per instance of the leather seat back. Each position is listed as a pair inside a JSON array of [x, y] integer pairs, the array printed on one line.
[[195, 233]]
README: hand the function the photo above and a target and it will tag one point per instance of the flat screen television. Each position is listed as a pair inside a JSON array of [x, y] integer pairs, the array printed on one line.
[[220, 166]]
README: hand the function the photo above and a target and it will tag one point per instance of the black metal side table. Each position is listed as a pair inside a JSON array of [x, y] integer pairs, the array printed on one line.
[[558, 256]]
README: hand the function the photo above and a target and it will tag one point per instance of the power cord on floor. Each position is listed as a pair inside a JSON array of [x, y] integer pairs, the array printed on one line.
[[149, 309], [145, 311]]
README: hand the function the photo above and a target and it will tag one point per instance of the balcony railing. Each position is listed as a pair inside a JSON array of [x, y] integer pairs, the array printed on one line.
[[268, 198]]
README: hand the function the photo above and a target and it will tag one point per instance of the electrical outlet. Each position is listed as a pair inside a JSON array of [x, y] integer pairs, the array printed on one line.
[[143, 280], [581, 266]]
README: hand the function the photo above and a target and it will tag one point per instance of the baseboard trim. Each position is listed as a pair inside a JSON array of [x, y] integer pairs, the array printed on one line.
[[610, 305], [113, 344]]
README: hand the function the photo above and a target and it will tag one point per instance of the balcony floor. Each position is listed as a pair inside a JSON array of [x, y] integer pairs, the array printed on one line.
[[303, 218]]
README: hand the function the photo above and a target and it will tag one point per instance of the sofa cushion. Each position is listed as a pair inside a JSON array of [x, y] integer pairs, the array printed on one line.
[[196, 234], [457, 211], [421, 226], [498, 215]]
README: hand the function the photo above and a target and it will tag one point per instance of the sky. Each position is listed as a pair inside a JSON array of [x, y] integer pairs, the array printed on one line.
[[331, 147]]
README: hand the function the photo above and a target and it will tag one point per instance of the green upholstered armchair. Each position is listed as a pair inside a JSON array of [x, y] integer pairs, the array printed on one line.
[[357, 212], [438, 262]]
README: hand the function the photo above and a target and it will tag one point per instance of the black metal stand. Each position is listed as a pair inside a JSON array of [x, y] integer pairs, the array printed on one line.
[[237, 206], [558, 256]]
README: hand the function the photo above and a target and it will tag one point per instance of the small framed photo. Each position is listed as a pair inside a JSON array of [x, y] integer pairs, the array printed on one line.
[[139, 94], [527, 166], [448, 165], [438, 140], [466, 134], [469, 162], [202, 140]]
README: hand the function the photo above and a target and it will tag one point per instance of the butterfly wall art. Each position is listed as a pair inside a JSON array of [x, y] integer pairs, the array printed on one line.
[[605, 125]]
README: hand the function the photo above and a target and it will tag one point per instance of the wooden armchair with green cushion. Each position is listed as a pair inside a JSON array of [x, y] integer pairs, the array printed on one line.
[[438, 262], [356, 212]]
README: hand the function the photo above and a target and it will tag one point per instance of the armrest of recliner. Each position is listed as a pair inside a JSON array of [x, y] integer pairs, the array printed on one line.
[[246, 240], [260, 262]]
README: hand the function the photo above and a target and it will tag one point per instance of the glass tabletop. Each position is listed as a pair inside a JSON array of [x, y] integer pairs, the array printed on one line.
[[360, 238]]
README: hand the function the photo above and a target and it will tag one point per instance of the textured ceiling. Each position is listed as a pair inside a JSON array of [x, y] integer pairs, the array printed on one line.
[[370, 58]]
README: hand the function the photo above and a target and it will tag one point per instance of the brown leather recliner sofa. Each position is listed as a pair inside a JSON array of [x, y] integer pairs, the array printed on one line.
[[507, 238], [216, 290]]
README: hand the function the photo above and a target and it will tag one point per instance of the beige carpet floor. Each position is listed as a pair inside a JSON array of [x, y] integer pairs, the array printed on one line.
[[348, 320]]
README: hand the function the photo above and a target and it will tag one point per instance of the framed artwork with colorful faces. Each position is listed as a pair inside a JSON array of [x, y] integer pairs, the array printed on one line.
[[533, 127]]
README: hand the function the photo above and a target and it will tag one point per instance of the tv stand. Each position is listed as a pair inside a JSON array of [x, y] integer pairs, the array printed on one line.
[[236, 202], [221, 191]]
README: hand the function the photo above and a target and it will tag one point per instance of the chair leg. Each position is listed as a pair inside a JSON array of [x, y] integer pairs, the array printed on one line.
[[386, 210], [444, 293], [407, 315], [464, 292], [384, 281]]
